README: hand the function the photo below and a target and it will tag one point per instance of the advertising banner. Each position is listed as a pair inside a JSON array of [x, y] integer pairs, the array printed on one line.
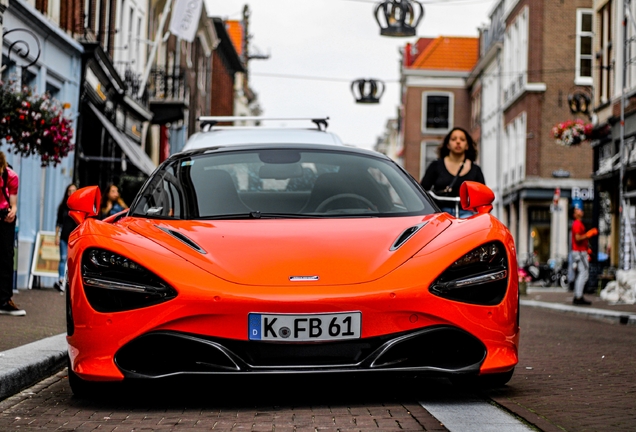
[[185, 18], [46, 256]]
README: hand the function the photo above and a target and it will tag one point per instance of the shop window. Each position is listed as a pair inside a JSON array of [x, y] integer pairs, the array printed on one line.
[[539, 223]]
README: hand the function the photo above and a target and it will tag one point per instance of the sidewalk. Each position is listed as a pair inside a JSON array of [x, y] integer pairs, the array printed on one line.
[[558, 299], [33, 347]]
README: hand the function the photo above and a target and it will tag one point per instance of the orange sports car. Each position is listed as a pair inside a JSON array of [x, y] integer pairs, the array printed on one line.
[[262, 259]]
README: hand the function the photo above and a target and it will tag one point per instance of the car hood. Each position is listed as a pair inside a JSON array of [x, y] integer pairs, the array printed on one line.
[[280, 252]]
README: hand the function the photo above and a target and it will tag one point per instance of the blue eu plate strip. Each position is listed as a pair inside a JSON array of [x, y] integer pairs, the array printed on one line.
[[255, 326]]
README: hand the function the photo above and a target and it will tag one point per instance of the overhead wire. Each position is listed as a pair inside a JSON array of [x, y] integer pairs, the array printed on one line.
[[393, 81]]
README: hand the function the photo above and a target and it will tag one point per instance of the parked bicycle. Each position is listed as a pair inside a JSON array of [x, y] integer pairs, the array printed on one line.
[[559, 275]]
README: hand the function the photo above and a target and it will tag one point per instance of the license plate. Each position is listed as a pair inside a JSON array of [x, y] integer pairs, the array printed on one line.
[[309, 327]]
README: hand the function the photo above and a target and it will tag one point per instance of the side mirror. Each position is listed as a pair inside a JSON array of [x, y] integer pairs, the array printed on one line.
[[84, 203], [476, 197]]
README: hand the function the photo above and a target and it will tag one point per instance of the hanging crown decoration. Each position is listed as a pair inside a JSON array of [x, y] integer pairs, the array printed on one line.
[[367, 91], [399, 18]]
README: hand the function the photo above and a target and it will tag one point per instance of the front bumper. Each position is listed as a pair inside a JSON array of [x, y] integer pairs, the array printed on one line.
[[438, 350]]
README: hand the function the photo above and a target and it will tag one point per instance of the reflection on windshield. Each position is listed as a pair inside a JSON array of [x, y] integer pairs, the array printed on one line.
[[279, 183]]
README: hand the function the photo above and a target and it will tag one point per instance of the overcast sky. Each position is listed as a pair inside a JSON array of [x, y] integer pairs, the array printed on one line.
[[318, 47]]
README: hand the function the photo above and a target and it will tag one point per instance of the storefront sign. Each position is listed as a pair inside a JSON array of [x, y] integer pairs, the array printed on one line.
[[46, 256], [585, 194]]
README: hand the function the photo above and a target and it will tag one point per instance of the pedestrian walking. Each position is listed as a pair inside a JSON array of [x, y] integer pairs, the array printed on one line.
[[455, 165], [580, 256], [64, 225], [9, 183], [112, 203]]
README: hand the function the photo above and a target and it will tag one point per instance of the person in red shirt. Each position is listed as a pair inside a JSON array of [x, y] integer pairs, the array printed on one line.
[[8, 207], [580, 260]]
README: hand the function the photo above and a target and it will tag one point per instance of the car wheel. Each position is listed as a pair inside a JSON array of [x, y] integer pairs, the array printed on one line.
[[483, 381], [495, 380], [87, 389]]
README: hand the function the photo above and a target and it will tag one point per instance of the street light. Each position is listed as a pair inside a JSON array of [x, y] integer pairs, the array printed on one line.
[[367, 91], [399, 17]]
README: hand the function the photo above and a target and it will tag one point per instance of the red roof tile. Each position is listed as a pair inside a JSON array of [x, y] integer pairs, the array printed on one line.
[[235, 30], [448, 53]]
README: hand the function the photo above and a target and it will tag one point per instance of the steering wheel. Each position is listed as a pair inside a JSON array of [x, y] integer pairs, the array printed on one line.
[[367, 204]]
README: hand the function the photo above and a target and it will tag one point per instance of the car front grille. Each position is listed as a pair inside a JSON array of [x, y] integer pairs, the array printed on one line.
[[439, 349]]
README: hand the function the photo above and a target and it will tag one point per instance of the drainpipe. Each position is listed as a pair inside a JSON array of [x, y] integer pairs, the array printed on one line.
[[621, 148], [500, 206]]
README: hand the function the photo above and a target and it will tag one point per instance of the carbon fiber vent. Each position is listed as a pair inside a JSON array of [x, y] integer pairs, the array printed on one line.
[[183, 239], [406, 234]]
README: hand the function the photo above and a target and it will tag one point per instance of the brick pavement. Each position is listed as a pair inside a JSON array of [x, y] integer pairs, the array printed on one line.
[[574, 374], [563, 382], [50, 405]]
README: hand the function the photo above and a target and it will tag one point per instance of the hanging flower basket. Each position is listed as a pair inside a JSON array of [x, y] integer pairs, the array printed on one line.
[[572, 132], [34, 125]]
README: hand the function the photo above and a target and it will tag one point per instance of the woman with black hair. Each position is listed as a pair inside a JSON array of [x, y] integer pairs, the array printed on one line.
[[64, 225], [456, 164]]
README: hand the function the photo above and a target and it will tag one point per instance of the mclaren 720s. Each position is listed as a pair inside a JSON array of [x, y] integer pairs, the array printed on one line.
[[288, 258]]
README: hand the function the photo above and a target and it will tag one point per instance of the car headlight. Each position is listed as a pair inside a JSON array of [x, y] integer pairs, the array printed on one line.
[[479, 277], [114, 283]]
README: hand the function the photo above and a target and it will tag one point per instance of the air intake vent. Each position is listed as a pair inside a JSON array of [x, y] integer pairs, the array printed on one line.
[[183, 239], [407, 234]]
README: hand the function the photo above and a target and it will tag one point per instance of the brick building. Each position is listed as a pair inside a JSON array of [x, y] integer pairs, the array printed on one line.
[[515, 85], [434, 95], [538, 77], [226, 62]]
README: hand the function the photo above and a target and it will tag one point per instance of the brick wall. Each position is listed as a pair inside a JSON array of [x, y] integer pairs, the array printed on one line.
[[222, 90], [554, 65]]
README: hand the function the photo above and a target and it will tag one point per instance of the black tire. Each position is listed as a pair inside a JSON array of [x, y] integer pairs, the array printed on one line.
[[483, 381], [495, 380], [88, 389]]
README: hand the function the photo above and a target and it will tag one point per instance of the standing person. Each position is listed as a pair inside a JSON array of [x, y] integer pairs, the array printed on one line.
[[9, 183], [112, 203], [64, 225], [580, 261], [456, 164]]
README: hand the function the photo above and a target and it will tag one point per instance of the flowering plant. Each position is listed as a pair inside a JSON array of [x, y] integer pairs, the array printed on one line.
[[572, 132], [523, 276], [34, 124]]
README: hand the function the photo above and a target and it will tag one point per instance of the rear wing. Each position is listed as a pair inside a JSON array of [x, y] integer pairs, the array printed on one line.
[[208, 122]]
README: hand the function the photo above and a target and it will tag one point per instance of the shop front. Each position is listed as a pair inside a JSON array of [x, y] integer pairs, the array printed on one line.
[[112, 131]]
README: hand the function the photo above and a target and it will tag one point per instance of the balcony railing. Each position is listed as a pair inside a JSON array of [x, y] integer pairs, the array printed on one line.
[[132, 80], [167, 85]]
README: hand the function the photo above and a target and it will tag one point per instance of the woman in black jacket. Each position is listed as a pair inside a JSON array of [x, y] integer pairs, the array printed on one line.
[[456, 164], [63, 227]]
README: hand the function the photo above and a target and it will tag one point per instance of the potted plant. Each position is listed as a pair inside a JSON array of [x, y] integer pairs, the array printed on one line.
[[572, 132], [34, 124], [524, 278]]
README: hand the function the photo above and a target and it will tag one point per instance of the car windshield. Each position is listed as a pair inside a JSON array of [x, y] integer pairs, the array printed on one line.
[[274, 183]]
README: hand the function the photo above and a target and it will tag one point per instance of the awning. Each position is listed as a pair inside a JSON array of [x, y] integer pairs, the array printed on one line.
[[132, 151]]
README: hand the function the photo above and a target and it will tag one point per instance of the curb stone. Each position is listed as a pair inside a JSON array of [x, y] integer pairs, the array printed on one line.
[[24, 366], [614, 316]]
